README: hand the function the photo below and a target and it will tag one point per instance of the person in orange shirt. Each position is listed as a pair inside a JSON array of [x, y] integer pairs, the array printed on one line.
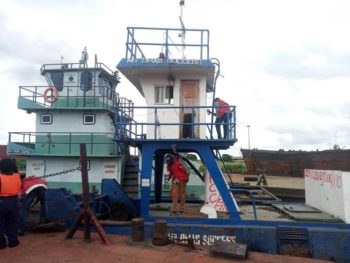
[[10, 187]]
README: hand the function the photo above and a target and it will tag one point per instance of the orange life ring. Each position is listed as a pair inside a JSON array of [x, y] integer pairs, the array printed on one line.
[[53, 95]]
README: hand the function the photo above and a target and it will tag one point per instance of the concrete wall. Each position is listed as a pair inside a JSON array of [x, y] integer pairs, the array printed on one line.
[[328, 191]]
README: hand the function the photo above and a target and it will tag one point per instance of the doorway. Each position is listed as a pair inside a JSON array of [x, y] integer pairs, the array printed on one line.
[[189, 97]]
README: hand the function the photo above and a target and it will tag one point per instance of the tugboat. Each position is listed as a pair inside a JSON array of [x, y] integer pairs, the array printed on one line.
[[174, 74], [77, 106]]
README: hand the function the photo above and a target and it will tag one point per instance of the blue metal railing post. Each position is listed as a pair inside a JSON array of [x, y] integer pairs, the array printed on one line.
[[192, 124], [234, 121], [156, 122], [233, 191]]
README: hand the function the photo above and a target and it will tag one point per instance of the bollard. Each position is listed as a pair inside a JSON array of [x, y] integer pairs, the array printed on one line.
[[137, 230], [160, 233]]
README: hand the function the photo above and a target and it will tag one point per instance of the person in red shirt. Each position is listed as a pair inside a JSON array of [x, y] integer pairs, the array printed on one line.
[[33, 191], [223, 116], [179, 174], [10, 186]]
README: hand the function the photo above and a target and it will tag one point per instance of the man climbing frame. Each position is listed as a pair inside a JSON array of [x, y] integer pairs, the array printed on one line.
[[179, 175]]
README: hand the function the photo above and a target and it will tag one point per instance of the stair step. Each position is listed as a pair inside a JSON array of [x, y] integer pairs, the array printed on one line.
[[130, 189], [131, 175], [131, 179], [131, 171], [131, 183]]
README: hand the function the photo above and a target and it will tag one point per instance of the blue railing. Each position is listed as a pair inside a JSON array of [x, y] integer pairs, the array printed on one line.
[[172, 122], [145, 42]]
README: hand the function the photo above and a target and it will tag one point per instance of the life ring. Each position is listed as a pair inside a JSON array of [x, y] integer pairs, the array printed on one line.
[[53, 95]]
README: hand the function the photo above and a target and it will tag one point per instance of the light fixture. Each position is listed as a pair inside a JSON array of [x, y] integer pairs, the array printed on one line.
[[171, 80]]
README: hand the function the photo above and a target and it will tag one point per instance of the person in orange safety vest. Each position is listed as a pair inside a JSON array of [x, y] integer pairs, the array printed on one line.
[[10, 187]]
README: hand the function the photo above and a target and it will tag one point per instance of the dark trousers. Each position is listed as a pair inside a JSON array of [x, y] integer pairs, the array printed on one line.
[[26, 204], [225, 120], [8, 221]]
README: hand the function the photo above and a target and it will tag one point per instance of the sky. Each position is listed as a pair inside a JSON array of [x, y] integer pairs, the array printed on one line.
[[285, 64]]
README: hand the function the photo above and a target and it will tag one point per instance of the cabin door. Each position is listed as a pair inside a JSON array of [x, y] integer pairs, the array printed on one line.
[[189, 96]]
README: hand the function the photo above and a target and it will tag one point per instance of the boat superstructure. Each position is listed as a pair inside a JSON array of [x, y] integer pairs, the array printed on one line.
[[77, 106], [175, 88]]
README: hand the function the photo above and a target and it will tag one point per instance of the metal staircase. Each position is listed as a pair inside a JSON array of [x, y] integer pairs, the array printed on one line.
[[130, 182]]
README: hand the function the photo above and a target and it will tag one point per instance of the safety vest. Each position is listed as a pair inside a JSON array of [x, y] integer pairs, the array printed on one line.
[[10, 184], [223, 107], [177, 171]]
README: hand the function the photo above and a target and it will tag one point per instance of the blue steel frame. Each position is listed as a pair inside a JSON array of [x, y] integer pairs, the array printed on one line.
[[204, 150]]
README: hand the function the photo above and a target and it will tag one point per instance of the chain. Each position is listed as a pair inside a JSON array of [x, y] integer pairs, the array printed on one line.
[[58, 173]]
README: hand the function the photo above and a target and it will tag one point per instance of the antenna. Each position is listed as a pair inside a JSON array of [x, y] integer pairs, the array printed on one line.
[[183, 31]]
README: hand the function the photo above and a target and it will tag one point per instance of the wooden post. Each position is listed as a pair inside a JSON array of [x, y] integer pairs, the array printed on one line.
[[86, 214]]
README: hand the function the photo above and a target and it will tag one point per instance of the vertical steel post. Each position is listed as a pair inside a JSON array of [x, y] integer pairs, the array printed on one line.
[[85, 186]]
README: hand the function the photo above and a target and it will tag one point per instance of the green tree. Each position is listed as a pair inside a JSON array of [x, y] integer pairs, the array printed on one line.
[[227, 157], [21, 164]]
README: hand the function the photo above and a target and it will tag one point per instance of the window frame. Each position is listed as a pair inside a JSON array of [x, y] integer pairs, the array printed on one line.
[[46, 115], [163, 94], [87, 115]]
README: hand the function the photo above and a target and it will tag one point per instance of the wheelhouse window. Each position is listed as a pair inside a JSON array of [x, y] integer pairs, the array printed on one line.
[[164, 94], [46, 119], [89, 119]]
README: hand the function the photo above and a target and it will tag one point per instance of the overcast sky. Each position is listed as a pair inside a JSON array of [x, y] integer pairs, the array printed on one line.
[[286, 63]]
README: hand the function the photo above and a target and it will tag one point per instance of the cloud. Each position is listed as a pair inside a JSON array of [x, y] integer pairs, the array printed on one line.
[[285, 63], [308, 63]]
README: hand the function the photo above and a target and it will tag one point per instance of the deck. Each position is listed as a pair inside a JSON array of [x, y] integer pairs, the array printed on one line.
[[51, 246]]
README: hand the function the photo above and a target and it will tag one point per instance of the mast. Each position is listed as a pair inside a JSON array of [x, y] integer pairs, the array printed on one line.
[[183, 32]]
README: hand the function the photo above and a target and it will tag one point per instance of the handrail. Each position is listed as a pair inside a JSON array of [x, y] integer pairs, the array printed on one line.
[[137, 49], [51, 140], [244, 191], [219, 157], [63, 66], [99, 95], [130, 129]]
